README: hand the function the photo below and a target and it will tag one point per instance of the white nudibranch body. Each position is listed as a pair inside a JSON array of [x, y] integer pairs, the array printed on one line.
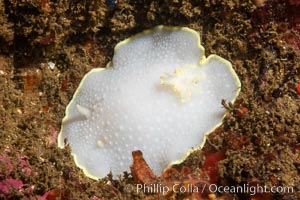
[[160, 95]]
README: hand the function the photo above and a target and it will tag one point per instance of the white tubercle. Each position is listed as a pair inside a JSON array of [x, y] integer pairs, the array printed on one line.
[[83, 111]]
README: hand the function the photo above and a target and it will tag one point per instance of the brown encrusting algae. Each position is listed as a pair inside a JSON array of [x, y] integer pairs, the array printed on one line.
[[46, 47]]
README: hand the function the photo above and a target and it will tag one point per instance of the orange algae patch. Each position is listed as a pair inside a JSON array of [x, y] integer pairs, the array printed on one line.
[[298, 88], [140, 170]]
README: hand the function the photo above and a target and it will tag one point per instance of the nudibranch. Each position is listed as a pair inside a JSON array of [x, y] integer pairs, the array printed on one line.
[[159, 95]]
